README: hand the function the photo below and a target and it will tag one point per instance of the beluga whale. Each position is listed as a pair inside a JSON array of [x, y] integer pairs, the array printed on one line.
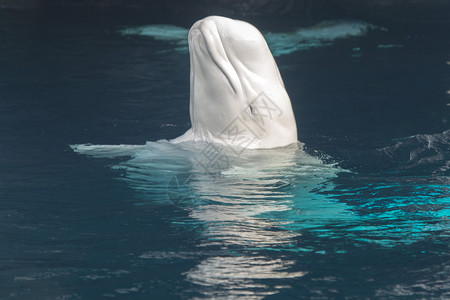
[[240, 160], [237, 95]]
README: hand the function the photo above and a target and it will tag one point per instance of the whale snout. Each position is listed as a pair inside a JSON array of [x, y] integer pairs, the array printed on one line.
[[207, 45]]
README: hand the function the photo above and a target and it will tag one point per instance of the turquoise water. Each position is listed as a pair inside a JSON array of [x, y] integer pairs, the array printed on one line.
[[359, 211]]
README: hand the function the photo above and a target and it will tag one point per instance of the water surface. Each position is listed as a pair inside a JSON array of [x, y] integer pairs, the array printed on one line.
[[361, 212]]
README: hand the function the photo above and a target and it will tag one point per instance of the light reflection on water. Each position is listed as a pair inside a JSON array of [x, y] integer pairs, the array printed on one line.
[[238, 276], [278, 223], [264, 200], [260, 202]]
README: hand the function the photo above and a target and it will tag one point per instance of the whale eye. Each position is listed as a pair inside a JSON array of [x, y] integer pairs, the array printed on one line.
[[251, 109]]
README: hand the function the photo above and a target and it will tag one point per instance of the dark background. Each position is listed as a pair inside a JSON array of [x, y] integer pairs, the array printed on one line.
[[72, 228], [423, 11]]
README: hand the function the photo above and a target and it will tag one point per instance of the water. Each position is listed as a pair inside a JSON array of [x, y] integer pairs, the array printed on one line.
[[361, 212]]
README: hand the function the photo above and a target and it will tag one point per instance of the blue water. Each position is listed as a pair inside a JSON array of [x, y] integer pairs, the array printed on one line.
[[361, 213]]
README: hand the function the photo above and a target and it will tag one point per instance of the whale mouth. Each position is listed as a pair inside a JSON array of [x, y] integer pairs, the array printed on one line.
[[204, 38]]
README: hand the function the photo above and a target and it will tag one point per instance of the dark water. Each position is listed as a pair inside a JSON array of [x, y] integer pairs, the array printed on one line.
[[76, 227]]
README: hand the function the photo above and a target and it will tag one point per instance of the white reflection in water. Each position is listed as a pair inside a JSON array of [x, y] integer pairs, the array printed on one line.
[[259, 200], [237, 276]]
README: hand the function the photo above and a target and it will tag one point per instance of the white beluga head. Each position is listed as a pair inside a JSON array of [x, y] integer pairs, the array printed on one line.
[[237, 96]]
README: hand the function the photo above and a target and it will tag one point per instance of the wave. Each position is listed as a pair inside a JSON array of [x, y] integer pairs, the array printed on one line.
[[424, 153], [281, 43]]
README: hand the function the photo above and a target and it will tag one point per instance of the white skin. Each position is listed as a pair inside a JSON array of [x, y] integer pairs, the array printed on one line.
[[237, 95]]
